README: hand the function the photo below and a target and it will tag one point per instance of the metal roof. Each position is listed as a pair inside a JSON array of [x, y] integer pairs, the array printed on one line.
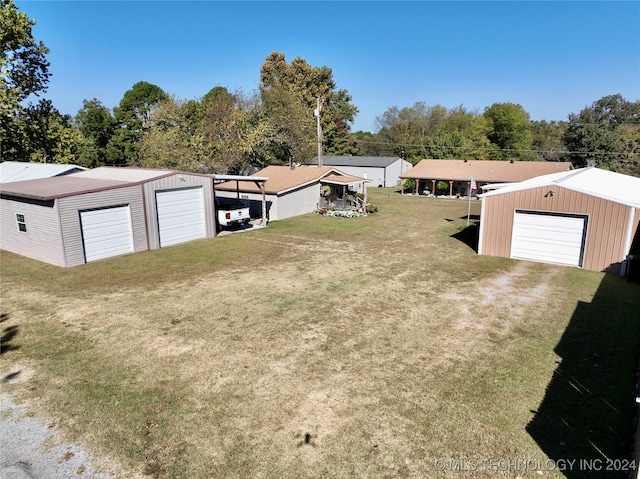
[[592, 181], [11, 171], [47, 189], [132, 175]]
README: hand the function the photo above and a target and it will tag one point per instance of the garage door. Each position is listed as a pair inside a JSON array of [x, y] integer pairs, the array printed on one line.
[[549, 237], [180, 215], [106, 232]]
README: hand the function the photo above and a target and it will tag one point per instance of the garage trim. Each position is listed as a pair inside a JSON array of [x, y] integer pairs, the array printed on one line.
[[549, 237], [106, 232]]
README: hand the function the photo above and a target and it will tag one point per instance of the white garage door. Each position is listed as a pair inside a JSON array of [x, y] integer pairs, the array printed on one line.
[[180, 215], [550, 238], [106, 232]]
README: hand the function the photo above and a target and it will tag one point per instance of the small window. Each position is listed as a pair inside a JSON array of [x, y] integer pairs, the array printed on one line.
[[22, 225]]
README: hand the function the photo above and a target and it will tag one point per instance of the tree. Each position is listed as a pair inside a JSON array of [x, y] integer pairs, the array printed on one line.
[[172, 141], [546, 139], [510, 133], [23, 72], [605, 134], [302, 83], [97, 126], [132, 116]]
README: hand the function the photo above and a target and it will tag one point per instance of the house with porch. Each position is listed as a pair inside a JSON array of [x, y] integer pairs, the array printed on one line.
[[296, 191], [457, 174]]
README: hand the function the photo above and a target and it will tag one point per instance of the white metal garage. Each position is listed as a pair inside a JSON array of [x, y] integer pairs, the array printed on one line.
[[180, 215], [106, 232], [549, 237]]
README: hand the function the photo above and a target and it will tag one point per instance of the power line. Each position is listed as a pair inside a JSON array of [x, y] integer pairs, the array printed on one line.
[[474, 148]]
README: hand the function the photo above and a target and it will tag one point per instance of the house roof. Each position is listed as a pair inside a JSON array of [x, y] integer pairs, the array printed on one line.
[[282, 179], [11, 171], [343, 179], [592, 181], [483, 170], [360, 161], [47, 189]]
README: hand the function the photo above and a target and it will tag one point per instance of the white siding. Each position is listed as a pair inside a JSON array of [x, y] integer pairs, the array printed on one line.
[[296, 203], [42, 240]]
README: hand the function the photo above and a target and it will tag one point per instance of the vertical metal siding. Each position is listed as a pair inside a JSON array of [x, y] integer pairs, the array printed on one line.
[[177, 181], [42, 241], [70, 218], [606, 227]]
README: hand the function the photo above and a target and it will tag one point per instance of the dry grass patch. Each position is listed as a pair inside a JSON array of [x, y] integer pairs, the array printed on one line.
[[318, 347]]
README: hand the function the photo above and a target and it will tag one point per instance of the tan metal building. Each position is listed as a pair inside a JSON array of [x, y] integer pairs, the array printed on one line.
[[586, 218]]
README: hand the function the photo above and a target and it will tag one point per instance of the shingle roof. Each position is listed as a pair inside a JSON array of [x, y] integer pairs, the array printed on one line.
[[484, 171], [281, 179], [359, 161], [11, 171], [58, 187], [593, 181]]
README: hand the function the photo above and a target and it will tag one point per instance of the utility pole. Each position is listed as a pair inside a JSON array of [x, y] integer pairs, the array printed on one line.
[[316, 113]]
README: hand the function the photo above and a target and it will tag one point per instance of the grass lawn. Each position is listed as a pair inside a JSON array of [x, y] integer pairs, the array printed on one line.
[[319, 347]]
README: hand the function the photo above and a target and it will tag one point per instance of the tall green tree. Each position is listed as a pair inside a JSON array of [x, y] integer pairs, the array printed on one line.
[[546, 139], [24, 71], [98, 126], [605, 134], [132, 116], [510, 131], [305, 83], [172, 139]]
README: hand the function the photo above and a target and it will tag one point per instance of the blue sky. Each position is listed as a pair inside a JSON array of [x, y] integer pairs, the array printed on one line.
[[553, 58]]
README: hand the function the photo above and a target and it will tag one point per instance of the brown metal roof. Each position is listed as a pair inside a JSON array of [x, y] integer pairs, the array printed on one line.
[[58, 187], [281, 179], [484, 171]]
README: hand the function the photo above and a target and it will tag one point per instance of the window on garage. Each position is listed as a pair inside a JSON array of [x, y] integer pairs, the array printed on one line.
[[22, 224]]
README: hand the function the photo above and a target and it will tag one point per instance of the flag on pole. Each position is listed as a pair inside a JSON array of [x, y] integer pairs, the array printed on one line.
[[474, 186]]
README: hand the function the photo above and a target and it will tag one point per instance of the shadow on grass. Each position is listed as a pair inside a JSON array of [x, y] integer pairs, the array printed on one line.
[[469, 234], [587, 413], [8, 334]]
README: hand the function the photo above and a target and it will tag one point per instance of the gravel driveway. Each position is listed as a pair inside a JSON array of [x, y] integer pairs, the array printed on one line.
[[30, 449]]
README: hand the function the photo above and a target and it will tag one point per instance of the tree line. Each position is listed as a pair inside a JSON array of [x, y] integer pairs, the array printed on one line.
[[237, 132]]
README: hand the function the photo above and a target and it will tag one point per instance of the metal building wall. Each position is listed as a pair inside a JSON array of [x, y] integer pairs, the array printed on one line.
[[43, 239], [173, 182], [70, 207], [606, 231]]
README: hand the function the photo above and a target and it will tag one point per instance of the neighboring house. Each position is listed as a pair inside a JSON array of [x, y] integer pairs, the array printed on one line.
[[11, 171], [290, 192], [381, 170], [104, 212], [586, 218], [457, 174]]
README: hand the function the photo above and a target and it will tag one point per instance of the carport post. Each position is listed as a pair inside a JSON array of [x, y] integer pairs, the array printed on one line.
[[264, 203]]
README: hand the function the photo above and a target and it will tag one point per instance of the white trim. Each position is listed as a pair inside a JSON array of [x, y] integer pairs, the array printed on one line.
[[482, 202]]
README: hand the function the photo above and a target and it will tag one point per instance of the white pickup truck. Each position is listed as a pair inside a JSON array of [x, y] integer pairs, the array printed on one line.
[[232, 215]]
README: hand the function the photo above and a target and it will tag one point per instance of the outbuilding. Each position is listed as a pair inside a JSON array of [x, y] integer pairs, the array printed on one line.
[[11, 171], [383, 171], [104, 212], [289, 191], [586, 218]]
